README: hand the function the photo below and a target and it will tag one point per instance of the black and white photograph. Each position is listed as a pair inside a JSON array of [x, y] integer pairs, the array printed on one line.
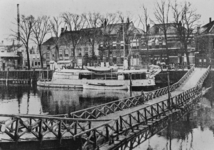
[[106, 75]]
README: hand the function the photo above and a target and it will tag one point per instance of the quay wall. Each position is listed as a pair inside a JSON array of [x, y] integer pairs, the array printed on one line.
[[174, 76], [24, 76]]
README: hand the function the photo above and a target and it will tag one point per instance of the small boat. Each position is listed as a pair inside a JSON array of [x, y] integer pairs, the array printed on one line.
[[102, 69], [103, 86]]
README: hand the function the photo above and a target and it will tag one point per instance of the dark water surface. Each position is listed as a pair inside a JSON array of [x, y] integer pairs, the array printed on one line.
[[195, 132]]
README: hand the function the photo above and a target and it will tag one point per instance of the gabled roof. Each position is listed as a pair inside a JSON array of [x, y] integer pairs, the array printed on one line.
[[50, 41], [207, 27], [158, 28], [113, 29]]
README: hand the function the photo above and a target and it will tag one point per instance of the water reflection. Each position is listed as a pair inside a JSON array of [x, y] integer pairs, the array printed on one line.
[[61, 101], [33, 100], [19, 100]]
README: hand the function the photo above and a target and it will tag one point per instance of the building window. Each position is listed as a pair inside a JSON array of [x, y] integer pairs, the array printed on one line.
[[135, 44], [48, 56], [121, 44], [114, 45], [85, 50], [60, 54], [66, 53]]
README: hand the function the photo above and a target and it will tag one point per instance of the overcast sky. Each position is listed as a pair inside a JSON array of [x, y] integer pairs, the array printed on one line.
[[8, 11]]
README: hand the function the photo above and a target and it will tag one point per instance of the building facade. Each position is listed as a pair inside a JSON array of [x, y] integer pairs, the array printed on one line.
[[10, 58], [157, 51], [114, 43], [205, 45]]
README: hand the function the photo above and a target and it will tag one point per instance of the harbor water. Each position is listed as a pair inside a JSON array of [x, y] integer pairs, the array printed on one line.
[[194, 131]]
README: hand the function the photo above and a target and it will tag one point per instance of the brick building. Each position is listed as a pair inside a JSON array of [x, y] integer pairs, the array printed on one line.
[[157, 46], [205, 45]]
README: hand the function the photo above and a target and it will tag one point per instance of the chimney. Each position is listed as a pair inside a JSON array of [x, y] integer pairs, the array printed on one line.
[[210, 19], [62, 30], [198, 29]]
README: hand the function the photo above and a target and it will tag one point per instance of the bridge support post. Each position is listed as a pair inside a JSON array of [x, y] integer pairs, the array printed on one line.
[[40, 130], [121, 124], [95, 139], [16, 136], [59, 131], [117, 129]]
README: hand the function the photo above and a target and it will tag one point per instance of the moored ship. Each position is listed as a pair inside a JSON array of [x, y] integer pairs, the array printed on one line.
[[72, 78]]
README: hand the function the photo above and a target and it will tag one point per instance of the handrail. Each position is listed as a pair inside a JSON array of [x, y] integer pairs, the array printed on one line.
[[144, 116], [51, 118], [134, 101]]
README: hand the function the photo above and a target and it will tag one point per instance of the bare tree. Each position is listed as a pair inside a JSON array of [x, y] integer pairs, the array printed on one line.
[[185, 21], [75, 23], [109, 22], [144, 21], [55, 24], [92, 32], [162, 17], [26, 29], [40, 30]]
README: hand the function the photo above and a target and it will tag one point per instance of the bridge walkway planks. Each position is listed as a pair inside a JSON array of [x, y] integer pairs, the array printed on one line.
[[190, 83]]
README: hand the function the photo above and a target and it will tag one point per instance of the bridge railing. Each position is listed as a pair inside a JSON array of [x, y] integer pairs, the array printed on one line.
[[19, 127], [136, 120], [111, 107], [204, 76]]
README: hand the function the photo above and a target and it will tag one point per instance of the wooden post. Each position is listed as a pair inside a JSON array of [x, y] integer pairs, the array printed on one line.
[[145, 115], [138, 116], [7, 76], [16, 136], [117, 129], [130, 85], [107, 133], [121, 124], [89, 125], [59, 131], [95, 139], [75, 128], [40, 130], [47, 74], [34, 76]]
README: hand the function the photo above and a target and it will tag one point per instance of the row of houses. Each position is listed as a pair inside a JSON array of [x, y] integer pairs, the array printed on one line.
[[110, 46], [113, 43]]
